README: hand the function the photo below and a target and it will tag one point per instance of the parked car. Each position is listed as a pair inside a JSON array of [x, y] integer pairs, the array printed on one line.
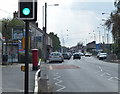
[[76, 56], [102, 56], [66, 56], [56, 57], [88, 54], [98, 55]]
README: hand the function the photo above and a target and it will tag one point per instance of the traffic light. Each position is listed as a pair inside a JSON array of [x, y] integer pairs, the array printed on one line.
[[27, 10]]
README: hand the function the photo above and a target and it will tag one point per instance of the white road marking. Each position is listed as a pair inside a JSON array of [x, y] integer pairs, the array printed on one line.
[[17, 90], [57, 78], [50, 67], [110, 78], [103, 74], [117, 78], [108, 73], [59, 81], [99, 68]]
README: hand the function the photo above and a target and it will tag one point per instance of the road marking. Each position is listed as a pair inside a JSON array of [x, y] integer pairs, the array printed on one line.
[[59, 81], [103, 74], [117, 78], [17, 90], [110, 78], [108, 73], [57, 77], [100, 68], [2, 66], [50, 67]]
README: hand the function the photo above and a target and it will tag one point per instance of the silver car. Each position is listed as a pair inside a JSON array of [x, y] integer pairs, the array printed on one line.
[[56, 57], [102, 56]]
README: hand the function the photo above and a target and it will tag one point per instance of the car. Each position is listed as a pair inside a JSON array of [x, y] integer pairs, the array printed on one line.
[[88, 54], [76, 56], [66, 56], [102, 56], [98, 55], [56, 57], [82, 54]]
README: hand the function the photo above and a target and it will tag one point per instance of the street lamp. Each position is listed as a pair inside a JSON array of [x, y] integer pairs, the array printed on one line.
[[99, 35], [45, 29], [93, 35]]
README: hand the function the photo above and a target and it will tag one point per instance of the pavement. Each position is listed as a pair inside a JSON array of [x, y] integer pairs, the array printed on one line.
[[12, 79], [42, 83]]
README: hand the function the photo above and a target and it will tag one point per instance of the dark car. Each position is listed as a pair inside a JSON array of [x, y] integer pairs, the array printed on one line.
[[66, 56], [76, 56]]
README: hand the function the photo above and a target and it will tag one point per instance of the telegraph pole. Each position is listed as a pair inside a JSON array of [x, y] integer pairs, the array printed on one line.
[[45, 37]]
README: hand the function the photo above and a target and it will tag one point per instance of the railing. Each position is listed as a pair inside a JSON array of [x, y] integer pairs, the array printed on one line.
[[37, 77]]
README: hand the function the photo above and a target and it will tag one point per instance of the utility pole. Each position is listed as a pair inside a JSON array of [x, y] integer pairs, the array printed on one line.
[[99, 36], [45, 33]]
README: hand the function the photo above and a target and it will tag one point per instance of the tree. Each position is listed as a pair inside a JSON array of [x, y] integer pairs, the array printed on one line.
[[8, 24], [113, 23], [55, 41]]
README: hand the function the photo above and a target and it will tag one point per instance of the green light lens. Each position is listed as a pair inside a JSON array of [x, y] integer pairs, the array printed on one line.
[[26, 11]]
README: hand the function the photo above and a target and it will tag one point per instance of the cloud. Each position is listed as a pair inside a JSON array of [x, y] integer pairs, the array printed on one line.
[[78, 23]]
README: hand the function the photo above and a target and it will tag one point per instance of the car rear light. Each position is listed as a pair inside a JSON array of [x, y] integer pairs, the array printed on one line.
[[61, 56], [50, 56]]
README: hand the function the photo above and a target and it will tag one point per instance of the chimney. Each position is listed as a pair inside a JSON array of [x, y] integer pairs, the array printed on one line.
[[15, 14]]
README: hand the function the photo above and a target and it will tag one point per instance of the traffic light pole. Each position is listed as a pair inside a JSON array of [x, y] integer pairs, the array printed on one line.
[[26, 85]]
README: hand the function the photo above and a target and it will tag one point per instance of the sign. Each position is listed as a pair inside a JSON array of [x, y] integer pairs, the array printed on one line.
[[18, 33]]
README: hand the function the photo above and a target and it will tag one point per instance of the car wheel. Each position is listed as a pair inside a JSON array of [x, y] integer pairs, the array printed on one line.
[[60, 61]]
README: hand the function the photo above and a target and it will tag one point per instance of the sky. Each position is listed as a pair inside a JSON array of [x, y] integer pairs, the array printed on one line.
[[73, 20]]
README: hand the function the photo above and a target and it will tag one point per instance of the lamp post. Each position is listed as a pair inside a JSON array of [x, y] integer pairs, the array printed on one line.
[[45, 29], [99, 35], [93, 35], [104, 30]]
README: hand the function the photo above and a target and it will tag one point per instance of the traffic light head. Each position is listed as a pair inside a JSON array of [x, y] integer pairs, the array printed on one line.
[[27, 10]]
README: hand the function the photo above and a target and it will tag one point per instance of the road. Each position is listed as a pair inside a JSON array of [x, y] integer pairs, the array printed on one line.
[[13, 78], [86, 75]]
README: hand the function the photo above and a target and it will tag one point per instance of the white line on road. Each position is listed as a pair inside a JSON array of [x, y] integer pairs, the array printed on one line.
[[57, 78], [12, 89], [103, 74], [108, 73], [117, 78], [99, 68], [58, 83], [110, 78]]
